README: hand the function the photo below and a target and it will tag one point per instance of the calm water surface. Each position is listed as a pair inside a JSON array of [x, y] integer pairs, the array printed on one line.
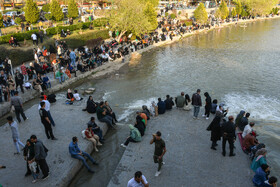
[[238, 66]]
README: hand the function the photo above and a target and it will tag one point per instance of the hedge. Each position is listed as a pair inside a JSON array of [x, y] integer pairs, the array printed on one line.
[[53, 31], [17, 55], [86, 25], [81, 39], [19, 36]]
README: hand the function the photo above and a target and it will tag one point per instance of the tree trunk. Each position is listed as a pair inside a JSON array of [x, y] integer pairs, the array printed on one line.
[[120, 36]]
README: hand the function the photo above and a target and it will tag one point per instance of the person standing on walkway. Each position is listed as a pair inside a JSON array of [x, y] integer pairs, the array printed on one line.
[[160, 150], [34, 39], [47, 108], [16, 101], [196, 102], [208, 104], [40, 156], [228, 132], [24, 72], [19, 80], [76, 153], [73, 58], [46, 121], [215, 129], [139, 180], [15, 134]]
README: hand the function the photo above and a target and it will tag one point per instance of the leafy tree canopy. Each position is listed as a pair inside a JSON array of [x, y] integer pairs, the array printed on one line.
[[201, 14]]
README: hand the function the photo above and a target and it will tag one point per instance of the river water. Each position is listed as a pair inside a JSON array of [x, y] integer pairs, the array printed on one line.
[[236, 65]]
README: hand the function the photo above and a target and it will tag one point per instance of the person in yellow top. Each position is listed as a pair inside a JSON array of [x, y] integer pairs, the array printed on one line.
[[41, 25]]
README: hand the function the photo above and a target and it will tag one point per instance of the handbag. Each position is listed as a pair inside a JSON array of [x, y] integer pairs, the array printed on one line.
[[33, 166], [13, 108], [187, 107]]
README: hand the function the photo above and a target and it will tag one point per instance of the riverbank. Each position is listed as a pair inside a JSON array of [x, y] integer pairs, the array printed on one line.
[[70, 121], [189, 159], [110, 67]]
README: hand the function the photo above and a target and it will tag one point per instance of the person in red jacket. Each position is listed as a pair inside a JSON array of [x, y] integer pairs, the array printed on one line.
[[90, 136]]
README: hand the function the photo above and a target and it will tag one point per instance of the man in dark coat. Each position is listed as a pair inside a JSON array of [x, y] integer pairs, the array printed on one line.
[[228, 130], [168, 103], [19, 80], [244, 121], [215, 129], [161, 106]]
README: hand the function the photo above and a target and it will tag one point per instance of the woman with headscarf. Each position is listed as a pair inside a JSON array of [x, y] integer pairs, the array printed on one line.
[[91, 105], [215, 129], [239, 117], [260, 158], [70, 95], [140, 125], [208, 103], [135, 136]]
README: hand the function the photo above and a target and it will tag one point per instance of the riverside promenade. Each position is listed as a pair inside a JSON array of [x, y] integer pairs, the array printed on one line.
[[189, 161], [70, 121]]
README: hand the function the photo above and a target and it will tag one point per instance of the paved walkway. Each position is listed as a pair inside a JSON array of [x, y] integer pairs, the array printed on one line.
[[70, 121], [189, 159]]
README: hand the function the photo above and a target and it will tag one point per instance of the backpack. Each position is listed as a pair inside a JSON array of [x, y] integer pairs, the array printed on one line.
[[83, 134], [51, 98]]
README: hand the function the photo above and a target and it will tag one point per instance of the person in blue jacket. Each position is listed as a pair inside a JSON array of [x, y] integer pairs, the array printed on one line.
[[261, 175], [76, 153], [161, 106]]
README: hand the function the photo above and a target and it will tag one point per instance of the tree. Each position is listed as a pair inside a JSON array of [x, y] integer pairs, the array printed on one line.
[[46, 8], [218, 13], [129, 17], [153, 2], [18, 20], [261, 7], [238, 8], [72, 9], [233, 12], [201, 14], [31, 11], [151, 14], [1, 20], [224, 10], [56, 11]]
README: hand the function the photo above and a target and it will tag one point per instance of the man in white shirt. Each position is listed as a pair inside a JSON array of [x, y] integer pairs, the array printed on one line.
[[139, 180], [34, 39], [248, 129], [77, 96], [47, 108]]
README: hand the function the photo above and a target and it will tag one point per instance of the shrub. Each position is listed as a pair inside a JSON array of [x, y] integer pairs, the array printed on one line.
[[179, 13], [188, 22], [81, 39], [166, 14], [19, 36], [17, 55]]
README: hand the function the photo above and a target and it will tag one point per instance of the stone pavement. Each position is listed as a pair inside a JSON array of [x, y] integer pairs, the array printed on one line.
[[70, 121], [189, 159]]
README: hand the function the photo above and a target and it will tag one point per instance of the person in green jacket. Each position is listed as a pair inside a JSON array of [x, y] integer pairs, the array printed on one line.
[[135, 136], [259, 159]]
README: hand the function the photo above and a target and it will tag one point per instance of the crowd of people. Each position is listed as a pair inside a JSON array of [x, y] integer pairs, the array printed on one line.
[[220, 128]]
